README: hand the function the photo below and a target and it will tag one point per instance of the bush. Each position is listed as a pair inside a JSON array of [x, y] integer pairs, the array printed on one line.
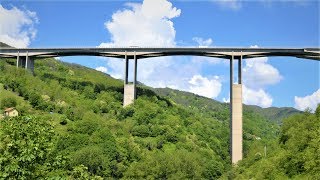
[[124, 113], [92, 157], [86, 126], [8, 102], [141, 131]]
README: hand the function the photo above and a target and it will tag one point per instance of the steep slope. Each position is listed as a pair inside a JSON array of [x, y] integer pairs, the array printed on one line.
[[273, 114], [94, 135]]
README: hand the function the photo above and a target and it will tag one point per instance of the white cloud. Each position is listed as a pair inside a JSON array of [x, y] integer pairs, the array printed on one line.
[[102, 69], [202, 42], [143, 24], [254, 97], [309, 101], [232, 4], [257, 73], [17, 26], [146, 24], [254, 46], [150, 24], [205, 87], [237, 4]]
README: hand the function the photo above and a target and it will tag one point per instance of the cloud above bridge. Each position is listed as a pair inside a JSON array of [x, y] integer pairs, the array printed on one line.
[[141, 24], [309, 101], [17, 26], [150, 24]]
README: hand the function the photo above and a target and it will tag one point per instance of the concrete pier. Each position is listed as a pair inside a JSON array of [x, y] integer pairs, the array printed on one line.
[[129, 94], [236, 113], [236, 125], [130, 90]]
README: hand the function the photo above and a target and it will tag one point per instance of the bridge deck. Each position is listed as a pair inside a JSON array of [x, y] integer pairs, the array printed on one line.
[[141, 52]]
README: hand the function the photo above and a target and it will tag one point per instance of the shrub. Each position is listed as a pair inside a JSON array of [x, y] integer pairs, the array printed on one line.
[[8, 102], [91, 157]]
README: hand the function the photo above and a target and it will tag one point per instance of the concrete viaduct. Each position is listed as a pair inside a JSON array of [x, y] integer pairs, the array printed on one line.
[[25, 58]]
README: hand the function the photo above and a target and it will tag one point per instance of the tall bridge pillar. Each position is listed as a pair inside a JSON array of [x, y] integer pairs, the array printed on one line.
[[236, 113], [25, 62], [130, 90]]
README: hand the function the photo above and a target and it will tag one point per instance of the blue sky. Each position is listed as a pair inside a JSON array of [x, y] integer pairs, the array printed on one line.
[[268, 81]]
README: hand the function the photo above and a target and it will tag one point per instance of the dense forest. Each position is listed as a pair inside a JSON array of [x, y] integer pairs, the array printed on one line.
[[72, 125], [295, 154]]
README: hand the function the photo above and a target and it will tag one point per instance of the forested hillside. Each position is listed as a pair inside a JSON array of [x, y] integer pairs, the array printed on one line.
[[294, 155], [203, 104], [72, 125]]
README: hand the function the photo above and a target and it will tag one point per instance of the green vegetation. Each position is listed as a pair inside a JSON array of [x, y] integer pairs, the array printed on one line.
[[275, 114], [26, 150], [73, 126], [207, 105], [295, 154]]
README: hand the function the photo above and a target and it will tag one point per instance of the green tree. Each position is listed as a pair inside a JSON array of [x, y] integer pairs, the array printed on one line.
[[27, 148], [81, 173], [7, 102], [93, 158], [294, 156]]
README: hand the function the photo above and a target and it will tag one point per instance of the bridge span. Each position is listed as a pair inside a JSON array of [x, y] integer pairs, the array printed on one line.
[[25, 58]]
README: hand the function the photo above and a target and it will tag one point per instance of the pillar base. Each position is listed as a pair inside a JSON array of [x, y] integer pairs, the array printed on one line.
[[129, 94], [236, 131]]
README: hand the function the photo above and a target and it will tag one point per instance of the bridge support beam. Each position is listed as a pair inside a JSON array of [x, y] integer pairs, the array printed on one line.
[[130, 90], [25, 62], [236, 114]]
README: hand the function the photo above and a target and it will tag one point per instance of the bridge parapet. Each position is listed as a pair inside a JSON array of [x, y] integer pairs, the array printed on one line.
[[141, 52]]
